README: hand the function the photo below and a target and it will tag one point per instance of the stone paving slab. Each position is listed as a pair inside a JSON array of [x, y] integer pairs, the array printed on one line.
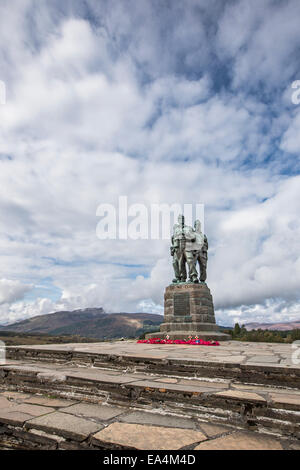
[[171, 387], [104, 412], [140, 417], [286, 399], [65, 425], [99, 376], [16, 414], [241, 395], [144, 437], [203, 383], [51, 402], [14, 418], [241, 441], [33, 410]]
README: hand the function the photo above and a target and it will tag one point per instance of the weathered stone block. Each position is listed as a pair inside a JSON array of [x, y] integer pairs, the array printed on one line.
[[189, 310]]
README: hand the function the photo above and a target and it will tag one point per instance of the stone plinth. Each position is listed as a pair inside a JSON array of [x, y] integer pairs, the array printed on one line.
[[189, 311]]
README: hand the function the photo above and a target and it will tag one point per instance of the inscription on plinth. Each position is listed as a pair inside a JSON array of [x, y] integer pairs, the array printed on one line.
[[181, 303]]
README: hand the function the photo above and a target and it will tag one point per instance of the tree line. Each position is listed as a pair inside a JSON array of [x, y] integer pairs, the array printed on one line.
[[240, 333]]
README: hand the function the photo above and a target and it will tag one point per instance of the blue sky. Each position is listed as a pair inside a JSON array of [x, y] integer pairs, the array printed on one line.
[[161, 101]]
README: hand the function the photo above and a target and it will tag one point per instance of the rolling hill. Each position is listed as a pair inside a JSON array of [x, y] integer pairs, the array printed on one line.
[[90, 322], [280, 326]]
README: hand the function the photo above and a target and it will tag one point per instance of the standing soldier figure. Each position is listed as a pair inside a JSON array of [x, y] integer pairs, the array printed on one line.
[[182, 237], [177, 250], [201, 245]]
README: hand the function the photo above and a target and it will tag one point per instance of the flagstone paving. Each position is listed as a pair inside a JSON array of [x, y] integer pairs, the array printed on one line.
[[140, 437], [227, 352], [69, 426], [123, 395], [241, 441], [263, 363], [93, 411], [102, 426]]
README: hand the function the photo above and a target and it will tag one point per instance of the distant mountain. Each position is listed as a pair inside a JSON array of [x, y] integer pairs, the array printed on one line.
[[90, 322], [281, 326]]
